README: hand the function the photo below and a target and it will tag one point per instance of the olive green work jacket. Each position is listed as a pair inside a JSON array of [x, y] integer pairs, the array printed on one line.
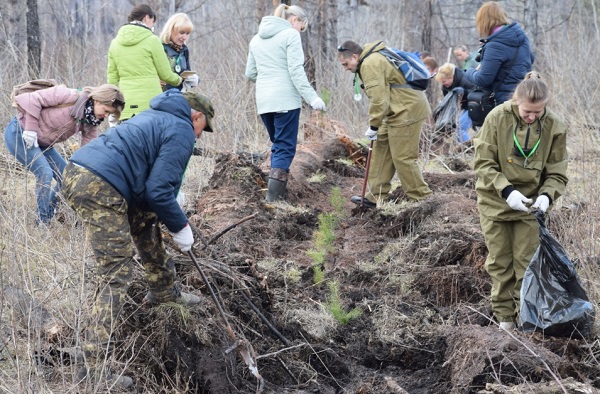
[[497, 164]]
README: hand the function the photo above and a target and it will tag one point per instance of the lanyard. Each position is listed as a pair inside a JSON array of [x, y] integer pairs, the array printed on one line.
[[520, 148], [357, 95]]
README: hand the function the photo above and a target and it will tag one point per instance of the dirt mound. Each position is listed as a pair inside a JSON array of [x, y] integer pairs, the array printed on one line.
[[413, 270]]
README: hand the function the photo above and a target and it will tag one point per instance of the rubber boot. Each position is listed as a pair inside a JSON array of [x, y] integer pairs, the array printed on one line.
[[277, 184]]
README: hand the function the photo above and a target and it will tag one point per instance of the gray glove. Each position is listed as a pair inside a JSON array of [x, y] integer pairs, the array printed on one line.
[[517, 201], [184, 238]]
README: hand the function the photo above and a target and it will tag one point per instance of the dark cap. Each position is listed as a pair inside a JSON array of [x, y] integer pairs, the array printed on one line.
[[203, 104]]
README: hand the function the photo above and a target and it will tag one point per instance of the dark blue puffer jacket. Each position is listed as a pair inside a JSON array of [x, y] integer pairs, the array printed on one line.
[[497, 55], [145, 157]]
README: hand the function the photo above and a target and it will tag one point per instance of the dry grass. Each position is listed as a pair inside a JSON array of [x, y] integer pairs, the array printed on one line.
[[53, 264]]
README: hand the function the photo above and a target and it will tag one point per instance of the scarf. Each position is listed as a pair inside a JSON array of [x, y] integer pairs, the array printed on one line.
[[176, 47], [88, 114]]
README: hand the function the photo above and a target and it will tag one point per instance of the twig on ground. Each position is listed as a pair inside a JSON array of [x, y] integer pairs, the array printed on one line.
[[220, 233], [285, 349]]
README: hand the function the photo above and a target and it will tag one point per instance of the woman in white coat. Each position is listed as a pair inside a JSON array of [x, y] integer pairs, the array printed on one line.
[[276, 64]]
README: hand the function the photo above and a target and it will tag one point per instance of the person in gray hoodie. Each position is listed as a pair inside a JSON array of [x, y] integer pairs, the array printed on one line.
[[276, 64]]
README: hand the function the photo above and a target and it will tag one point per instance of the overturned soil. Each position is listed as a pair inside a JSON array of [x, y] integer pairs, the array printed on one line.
[[414, 270]]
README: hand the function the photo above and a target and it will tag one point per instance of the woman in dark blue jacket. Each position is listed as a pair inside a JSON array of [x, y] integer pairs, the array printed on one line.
[[505, 56]]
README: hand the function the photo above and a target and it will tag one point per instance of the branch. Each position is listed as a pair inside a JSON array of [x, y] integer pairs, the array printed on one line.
[[220, 233]]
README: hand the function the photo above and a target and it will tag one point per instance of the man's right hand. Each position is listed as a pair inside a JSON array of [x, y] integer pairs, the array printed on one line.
[[30, 139], [184, 238], [371, 134]]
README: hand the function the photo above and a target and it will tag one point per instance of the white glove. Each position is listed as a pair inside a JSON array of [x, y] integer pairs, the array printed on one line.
[[30, 138], [318, 104], [542, 203], [180, 199], [371, 134], [112, 120], [517, 201], [192, 80], [184, 238]]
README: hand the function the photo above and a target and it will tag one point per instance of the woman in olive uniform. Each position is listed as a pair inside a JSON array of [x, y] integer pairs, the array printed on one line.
[[520, 158]]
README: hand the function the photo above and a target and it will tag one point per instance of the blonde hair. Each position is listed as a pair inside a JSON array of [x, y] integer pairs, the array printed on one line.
[[179, 21], [532, 88], [287, 11], [108, 95], [445, 71], [489, 16]]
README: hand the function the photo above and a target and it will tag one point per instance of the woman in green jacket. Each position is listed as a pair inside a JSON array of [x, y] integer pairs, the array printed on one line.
[[520, 157], [137, 62]]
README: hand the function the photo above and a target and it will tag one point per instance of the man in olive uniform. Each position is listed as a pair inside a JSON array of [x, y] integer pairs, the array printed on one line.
[[122, 185], [396, 114]]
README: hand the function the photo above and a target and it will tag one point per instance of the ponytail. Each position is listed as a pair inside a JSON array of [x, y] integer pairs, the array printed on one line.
[[532, 88]]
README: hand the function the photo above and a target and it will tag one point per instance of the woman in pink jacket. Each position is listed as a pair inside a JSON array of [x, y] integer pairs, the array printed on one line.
[[49, 116]]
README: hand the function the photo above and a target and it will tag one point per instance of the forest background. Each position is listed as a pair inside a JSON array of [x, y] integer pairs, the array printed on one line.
[[70, 42]]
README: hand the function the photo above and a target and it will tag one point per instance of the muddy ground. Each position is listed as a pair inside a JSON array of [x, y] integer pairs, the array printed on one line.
[[414, 270]]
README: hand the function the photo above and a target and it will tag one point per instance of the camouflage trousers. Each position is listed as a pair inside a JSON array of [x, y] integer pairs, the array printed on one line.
[[113, 229]]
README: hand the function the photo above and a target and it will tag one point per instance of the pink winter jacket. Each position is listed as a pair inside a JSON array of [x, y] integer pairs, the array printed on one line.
[[48, 113]]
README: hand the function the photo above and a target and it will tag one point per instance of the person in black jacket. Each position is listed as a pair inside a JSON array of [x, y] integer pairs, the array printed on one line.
[[123, 184], [505, 56], [452, 77]]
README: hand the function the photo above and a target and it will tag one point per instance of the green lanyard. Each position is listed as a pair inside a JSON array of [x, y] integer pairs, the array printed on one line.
[[177, 67], [357, 95], [520, 148]]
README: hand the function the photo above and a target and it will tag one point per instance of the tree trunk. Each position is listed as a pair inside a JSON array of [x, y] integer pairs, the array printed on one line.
[[34, 49]]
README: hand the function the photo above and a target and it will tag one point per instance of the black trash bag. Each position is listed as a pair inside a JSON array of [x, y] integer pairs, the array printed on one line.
[[447, 112], [552, 298]]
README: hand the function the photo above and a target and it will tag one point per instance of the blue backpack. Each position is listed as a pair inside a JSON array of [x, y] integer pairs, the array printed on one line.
[[415, 72]]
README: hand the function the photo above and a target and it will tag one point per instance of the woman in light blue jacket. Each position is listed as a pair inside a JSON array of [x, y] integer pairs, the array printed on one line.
[[276, 64]]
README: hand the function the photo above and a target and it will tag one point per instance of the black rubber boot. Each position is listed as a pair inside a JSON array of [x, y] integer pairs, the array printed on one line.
[[277, 184]]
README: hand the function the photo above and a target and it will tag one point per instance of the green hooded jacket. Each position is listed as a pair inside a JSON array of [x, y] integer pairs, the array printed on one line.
[[498, 166], [395, 106], [136, 64]]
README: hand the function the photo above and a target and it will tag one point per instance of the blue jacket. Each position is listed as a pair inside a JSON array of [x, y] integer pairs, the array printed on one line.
[[496, 55], [145, 157], [181, 58]]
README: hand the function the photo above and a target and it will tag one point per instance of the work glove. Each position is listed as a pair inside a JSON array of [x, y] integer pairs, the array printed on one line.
[[30, 138], [184, 238], [542, 203], [112, 120], [180, 199], [190, 82], [318, 104], [517, 201], [371, 134]]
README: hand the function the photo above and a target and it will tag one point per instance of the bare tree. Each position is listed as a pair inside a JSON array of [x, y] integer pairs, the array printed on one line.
[[34, 48]]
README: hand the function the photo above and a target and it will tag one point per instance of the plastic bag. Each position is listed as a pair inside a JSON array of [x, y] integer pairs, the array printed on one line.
[[552, 298], [446, 113]]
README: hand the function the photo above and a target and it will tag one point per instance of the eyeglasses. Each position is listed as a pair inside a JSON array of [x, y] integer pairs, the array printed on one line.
[[117, 103], [342, 49]]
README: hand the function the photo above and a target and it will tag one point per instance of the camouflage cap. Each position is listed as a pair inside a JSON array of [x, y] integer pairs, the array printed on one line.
[[203, 104]]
